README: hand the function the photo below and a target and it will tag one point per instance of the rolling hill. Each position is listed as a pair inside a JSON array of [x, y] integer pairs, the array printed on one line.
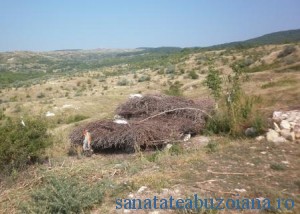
[[280, 37]]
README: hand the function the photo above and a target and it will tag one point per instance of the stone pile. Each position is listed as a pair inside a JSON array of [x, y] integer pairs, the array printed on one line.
[[286, 127]]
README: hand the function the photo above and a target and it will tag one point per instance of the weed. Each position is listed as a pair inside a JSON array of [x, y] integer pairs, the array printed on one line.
[[41, 95], [174, 89], [76, 118], [193, 75], [277, 166], [212, 147], [61, 195], [123, 82], [176, 149], [153, 157], [144, 78]]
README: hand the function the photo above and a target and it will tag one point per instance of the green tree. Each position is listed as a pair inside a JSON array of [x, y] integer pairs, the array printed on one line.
[[214, 82]]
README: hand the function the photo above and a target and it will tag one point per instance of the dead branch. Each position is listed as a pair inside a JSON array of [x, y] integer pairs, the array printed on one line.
[[172, 110], [231, 173]]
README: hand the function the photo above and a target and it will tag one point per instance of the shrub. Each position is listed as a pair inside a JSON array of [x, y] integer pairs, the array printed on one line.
[[277, 166], [170, 69], [174, 89], [123, 82], [41, 95], [154, 156], [214, 82], [60, 195], [22, 145], [144, 78], [193, 75], [176, 149], [211, 147], [286, 51]]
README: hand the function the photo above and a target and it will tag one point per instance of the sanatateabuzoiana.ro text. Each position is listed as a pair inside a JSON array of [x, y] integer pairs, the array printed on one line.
[[196, 202]]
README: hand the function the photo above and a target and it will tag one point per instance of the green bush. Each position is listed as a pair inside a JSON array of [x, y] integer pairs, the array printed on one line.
[[176, 149], [61, 195], [144, 78], [123, 82], [214, 82], [41, 95], [170, 69], [211, 147], [193, 75], [22, 145], [278, 166], [219, 123], [174, 89]]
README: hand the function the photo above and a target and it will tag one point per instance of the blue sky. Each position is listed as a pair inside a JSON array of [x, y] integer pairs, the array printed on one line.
[[66, 24]]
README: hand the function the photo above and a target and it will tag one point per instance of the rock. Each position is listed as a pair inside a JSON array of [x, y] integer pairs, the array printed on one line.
[[177, 191], [285, 162], [293, 124], [187, 137], [277, 116], [291, 118], [284, 124], [260, 198], [297, 131], [271, 135], [251, 164], [130, 195], [168, 147], [260, 138], [154, 212], [120, 121], [287, 134], [132, 96], [250, 132], [142, 189], [279, 140], [240, 190], [276, 127], [50, 114]]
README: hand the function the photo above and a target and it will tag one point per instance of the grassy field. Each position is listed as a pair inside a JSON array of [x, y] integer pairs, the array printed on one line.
[[211, 166]]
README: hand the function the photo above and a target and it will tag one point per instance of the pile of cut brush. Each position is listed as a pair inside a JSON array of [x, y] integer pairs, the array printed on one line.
[[148, 121]]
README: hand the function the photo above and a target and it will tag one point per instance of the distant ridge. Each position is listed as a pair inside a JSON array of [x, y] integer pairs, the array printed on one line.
[[281, 37], [67, 50]]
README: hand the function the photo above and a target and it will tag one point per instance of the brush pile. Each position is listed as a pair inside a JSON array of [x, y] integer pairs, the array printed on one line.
[[153, 120]]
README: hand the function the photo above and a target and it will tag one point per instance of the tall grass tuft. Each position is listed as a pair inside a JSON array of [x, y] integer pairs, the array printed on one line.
[[61, 195], [236, 110]]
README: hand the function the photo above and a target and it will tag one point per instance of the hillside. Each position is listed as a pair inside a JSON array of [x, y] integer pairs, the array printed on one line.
[[281, 37], [67, 89]]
